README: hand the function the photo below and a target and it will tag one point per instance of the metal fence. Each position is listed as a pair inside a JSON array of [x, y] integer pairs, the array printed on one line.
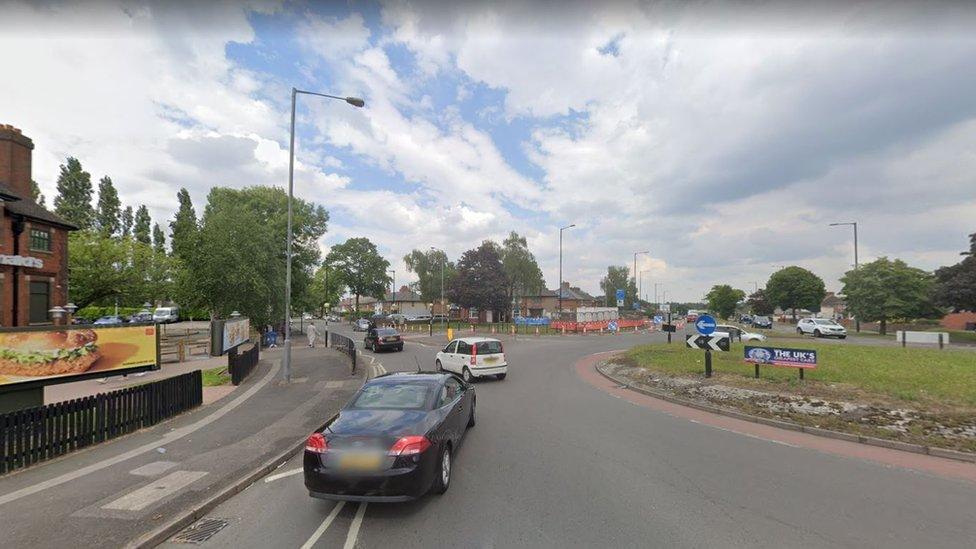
[[344, 344], [36, 434], [241, 364]]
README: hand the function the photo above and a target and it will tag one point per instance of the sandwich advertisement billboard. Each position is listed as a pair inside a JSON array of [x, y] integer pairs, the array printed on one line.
[[60, 354], [229, 333]]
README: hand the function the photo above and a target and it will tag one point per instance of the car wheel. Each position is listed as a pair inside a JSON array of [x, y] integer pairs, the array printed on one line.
[[471, 417], [440, 367], [816, 333], [400, 348], [501, 376], [442, 481], [466, 375], [799, 332], [842, 337]]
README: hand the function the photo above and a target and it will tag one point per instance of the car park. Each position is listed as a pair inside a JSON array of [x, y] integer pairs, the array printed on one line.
[[762, 322], [820, 327], [473, 357], [360, 325], [141, 316], [383, 338], [394, 441], [110, 320]]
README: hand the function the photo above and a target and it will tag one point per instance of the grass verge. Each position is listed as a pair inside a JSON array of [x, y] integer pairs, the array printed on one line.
[[216, 376]]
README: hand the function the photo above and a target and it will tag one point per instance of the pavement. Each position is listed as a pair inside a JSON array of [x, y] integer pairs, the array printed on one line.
[[113, 493], [561, 457]]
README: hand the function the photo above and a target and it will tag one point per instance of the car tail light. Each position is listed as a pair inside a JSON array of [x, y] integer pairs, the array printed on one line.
[[316, 443], [409, 445], [474, 354]]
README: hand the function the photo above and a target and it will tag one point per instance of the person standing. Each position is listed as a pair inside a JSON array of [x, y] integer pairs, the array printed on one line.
[[313, 333]]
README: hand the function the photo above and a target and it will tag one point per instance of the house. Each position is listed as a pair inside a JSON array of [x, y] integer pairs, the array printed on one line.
[[541, 303], [367, 305], [406, 302], [833, 306], [33, 241], [571, 298]]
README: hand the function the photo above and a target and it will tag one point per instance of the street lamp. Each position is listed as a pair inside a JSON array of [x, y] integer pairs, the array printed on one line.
[[857, 320], [355, 102], [634, 272], [560, 289], [641, 287], [443, 311], [656, 302], [393, 305]]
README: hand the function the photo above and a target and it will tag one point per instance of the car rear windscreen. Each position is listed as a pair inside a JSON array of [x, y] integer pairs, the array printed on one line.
[[386, 332], [406, 396], [489, 347]]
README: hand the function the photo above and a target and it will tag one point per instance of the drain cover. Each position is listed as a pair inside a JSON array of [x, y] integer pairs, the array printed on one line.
[[200, 531]]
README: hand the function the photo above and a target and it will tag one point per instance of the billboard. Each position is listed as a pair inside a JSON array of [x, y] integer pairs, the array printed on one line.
[[60, 354], [227, 334], [775, 356]]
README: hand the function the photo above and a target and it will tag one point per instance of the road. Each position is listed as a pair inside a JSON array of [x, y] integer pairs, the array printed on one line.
[[557, 460]]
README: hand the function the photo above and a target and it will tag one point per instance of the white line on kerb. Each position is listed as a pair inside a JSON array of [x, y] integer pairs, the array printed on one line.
[[357, 521], [324, 526], [285, 474]]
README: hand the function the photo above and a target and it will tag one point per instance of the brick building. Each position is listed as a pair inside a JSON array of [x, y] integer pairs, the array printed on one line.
[[33, 241]]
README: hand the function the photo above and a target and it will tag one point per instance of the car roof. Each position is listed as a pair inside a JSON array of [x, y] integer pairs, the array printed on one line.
[[398, 377], [475, 339]]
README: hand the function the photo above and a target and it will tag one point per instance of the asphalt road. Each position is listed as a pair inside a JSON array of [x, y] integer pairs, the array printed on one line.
[[555, 461]]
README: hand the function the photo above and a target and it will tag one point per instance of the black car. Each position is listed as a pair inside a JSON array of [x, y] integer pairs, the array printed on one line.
[[762, 322], [394, 440], [378, 339]]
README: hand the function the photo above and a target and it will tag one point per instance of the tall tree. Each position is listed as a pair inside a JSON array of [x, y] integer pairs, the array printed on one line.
[[796, 288], [956, 284], [106, 269], [617, 278], [158, 239], [759, 303], [884, 289], [143, 225], [326, 287], [183, 228], [427, 266], [480, 281], [125, 222], [723, 299], [359, 266], [36, 194], [522, 274], [74, 199], [107, 215]]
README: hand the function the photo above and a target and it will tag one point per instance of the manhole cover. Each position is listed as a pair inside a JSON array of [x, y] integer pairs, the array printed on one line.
[[200, 531]]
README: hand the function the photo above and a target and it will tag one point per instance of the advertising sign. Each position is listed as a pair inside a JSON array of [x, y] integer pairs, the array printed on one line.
[[775, 356], [60, 354], [531, 321], [229, 333]]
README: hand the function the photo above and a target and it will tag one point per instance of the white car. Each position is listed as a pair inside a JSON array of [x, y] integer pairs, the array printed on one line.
[[820, 327], [738, 333], [166, 315], [473, 357]]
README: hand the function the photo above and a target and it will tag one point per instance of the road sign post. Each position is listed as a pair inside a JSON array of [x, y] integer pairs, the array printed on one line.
[[708, 340], [708, 363]]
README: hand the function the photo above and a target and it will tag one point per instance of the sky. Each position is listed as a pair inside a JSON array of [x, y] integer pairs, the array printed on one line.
[[722, 138]]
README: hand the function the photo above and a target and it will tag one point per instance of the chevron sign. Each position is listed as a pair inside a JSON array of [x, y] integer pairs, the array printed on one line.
[[715, 342]]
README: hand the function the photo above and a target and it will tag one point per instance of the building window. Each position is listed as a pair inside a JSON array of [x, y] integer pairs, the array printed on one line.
[[40, 240], [40, 301]]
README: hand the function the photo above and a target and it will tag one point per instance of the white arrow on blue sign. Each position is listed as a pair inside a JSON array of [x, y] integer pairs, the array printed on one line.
[[705, 324]]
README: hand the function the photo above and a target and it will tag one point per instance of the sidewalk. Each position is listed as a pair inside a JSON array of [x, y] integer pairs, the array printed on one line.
[[113, 493]]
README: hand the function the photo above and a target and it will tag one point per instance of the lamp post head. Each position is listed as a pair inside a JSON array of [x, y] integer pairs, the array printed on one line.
[[355, 102]]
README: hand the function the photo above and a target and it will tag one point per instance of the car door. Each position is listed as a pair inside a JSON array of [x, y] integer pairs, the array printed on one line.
[[805, 326], [452, 394], [462, 356], [447, 356]]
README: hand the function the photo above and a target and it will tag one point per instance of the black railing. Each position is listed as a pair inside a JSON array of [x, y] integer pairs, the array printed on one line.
[[344, 344], [242, 363], [36, 434]]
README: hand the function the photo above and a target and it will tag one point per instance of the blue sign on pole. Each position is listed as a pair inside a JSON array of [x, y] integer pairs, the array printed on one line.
[[705, 325], [612, 326], [620, 298], [658, 319]]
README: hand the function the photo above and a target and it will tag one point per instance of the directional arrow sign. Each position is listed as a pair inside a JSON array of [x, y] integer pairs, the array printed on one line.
[[717, 342]]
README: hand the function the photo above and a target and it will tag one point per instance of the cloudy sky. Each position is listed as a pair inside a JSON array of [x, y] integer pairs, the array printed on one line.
[[721, 137]]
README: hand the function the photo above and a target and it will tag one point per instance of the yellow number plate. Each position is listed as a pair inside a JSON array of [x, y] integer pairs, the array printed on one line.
[[360, 461], [491, 359]]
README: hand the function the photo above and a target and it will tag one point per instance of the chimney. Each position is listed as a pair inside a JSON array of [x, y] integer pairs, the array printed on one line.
[[15, 160]]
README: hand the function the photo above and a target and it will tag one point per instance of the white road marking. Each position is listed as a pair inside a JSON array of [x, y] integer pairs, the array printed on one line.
[[334, 384], [357, 521], [153, 469], [141, 498], [324, 526], [171, 436], [285, 474]]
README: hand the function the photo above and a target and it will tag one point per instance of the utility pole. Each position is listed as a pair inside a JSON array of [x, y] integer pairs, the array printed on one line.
[[559, 290], [393, 304], [857, 320], [634, 272]]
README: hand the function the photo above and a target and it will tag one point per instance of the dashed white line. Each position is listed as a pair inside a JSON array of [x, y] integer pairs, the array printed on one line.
[[357, 521], [324, 526], [273, 478]]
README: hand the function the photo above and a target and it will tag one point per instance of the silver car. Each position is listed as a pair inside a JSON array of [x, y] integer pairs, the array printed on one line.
[[820, 327]]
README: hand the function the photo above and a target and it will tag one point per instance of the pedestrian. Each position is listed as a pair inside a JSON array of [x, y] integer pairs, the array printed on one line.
[[313, 333]]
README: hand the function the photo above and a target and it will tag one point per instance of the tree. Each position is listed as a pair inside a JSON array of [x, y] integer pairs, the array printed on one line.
[[795, 288], [107, 213], [759, 303], [617, 278], [723, 299], [106, 269], [427, 266], [143, 225], [360, 267], [522, 274], [36, 195], [326, 287], [183, 228], [956, 284], [884, 289], [125, 222], [480, 281], [74, 198], [158, 239]]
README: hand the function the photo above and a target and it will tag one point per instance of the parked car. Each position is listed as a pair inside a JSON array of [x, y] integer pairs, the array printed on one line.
[[421, 318], [360, 325], [398, 318], [379, 339], [820, 327], [394, 441], [141, 316], [745, 319], [439, 317], [762, 322], [473, 357], [110, 320], [165, 315]]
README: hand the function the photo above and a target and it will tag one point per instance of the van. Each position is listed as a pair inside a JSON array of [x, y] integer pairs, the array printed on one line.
[[165, 315]]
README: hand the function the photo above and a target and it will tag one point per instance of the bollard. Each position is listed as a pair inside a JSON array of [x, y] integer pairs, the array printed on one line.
[[513, 329], [536, 330], [903, 337], [940, 340], [564, 330], [181, 351], [584, 329], [708, 363]]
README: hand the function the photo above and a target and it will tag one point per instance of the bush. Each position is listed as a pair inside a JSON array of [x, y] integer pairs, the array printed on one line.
[[93, 312]]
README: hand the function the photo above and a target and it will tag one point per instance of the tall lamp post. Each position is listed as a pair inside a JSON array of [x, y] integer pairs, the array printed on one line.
[[355, 102], [443, 311], [640, 291], [634, 272], [559, 291], [393, 305], [857, 320]]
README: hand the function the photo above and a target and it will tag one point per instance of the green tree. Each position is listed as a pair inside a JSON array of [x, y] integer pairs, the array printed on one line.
[[759, 303], [36, 194], [183, 228], [522, 273], [883, 290], [108, 211], [723, 299], [143, 225], [125, 222], [956, 284], [105, 269], [795, 288], [360, 267], [480, 281], [74, 199], [325, 287], [617, 278], [158, 239], [427, 266]]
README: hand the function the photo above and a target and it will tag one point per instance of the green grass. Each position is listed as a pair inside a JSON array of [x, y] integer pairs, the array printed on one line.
[[216, 376], [946, 377]]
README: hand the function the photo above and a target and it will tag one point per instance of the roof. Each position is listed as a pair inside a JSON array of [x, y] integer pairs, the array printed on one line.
[[474, 339], [30, 209], [402, 295], [575, 293], [393, 377], [6, 193], [832, 300], [542, 292]]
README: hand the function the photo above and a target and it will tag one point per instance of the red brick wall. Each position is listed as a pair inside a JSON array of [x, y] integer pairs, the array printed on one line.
[[15, 160], [957, 321]]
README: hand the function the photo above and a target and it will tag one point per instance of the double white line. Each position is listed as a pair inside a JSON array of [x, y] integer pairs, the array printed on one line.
[[376, 367], [351, 536]]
